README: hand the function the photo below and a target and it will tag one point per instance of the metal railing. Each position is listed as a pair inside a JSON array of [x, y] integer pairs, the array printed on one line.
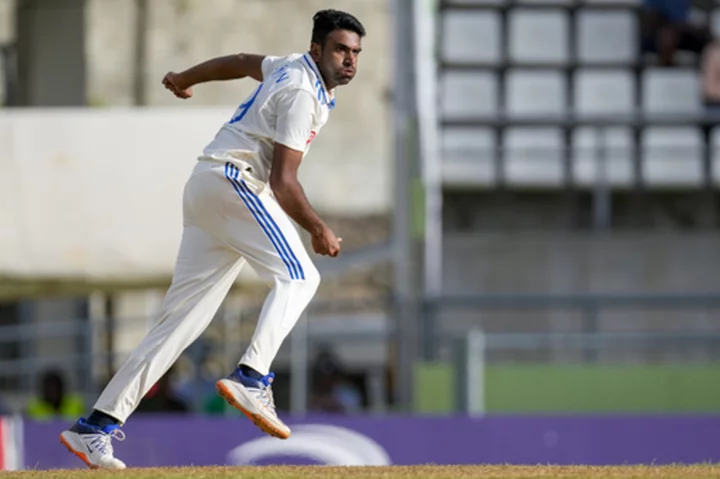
[[379, 329], [590, 339]]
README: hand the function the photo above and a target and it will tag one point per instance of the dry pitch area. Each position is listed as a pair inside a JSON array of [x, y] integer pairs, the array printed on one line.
[[324, 472]]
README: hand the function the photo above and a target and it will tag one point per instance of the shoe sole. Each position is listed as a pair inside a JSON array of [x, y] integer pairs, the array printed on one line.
[[262, 423], [83, 457]]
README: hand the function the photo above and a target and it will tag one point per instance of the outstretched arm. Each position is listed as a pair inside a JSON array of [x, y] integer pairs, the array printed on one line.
[[229, 67]]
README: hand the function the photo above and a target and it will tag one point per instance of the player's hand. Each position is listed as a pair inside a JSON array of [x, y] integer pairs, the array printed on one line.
[[173, 82], [326, 243]]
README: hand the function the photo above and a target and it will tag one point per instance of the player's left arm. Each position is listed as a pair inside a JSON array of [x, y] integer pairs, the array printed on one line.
[[229, 67]]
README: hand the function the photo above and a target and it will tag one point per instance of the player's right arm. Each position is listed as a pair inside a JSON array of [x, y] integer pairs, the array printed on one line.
[[291, 197], [292, 130], [229, 67]]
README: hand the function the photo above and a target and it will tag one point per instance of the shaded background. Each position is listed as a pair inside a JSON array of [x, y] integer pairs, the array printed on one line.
[[527, 192]]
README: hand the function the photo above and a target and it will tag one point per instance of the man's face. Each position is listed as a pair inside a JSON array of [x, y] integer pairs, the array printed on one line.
[[338, 58]]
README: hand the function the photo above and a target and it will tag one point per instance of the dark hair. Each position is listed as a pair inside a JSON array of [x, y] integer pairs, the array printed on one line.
[[327, 21]]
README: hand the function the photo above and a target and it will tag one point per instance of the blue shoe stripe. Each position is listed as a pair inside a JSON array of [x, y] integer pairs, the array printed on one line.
[[278, 231], [238, 376], [84, 427], [231, 173]]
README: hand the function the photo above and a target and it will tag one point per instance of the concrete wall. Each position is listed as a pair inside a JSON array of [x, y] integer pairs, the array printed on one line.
[[564, 263], [538, 262], [352, 155], [50, 46], [185, 32], [107, 185]]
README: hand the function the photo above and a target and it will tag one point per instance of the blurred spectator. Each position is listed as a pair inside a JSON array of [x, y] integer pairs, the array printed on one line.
[[163, 398], [666, 28], [53, 400], [331, 392]]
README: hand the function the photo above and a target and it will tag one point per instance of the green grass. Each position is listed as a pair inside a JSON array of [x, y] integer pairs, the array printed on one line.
[[324, 472]]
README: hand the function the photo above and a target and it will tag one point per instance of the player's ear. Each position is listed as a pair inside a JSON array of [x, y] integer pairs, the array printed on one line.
[[315, 51]]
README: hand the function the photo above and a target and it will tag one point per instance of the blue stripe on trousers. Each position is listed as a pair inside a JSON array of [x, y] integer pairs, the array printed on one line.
[[282, 245], [278, 231], [231, 173]]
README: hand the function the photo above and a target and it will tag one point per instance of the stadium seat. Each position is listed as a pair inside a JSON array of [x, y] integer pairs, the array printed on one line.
[[467, 93], [533, 156], [464, 31], [618, 154], [534, 92], [672, 156], [468, 156], [538, 36], [670, 91], [606, 36], [604, 92]]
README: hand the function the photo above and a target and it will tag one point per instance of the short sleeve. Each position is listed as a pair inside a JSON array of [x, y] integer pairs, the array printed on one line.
[[295, 118], [270, 63]]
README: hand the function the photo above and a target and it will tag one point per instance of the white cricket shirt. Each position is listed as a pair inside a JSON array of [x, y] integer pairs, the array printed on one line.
[[289, 107]]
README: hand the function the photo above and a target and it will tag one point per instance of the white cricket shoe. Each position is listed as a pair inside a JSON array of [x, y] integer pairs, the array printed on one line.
[[92, 444], [254, 398]]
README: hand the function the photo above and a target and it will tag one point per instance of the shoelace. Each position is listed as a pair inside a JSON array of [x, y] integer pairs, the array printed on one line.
[[266, 397], [102, 441]]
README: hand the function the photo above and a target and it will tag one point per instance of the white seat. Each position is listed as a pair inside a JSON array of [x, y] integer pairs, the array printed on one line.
[[618, 154], [535, 92], [533, 156], [671, 91], [468, 156], [604, 36], [538, 36], [604, 92], [464, 31], [672, 156], [468, 93]]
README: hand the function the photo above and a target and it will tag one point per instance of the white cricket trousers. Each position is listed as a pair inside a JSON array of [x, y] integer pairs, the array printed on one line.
[[227, 220]]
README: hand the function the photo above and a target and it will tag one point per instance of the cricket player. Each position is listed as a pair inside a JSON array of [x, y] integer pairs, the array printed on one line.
[[238, 207]]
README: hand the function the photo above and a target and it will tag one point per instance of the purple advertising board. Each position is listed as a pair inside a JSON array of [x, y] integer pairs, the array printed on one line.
[[378, 440]]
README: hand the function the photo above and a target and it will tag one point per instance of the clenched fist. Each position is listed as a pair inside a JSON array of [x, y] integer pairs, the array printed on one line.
[[326, 243], [174, 82]]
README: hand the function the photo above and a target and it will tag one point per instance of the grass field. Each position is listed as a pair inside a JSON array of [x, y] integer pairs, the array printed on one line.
[[323, 472]]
